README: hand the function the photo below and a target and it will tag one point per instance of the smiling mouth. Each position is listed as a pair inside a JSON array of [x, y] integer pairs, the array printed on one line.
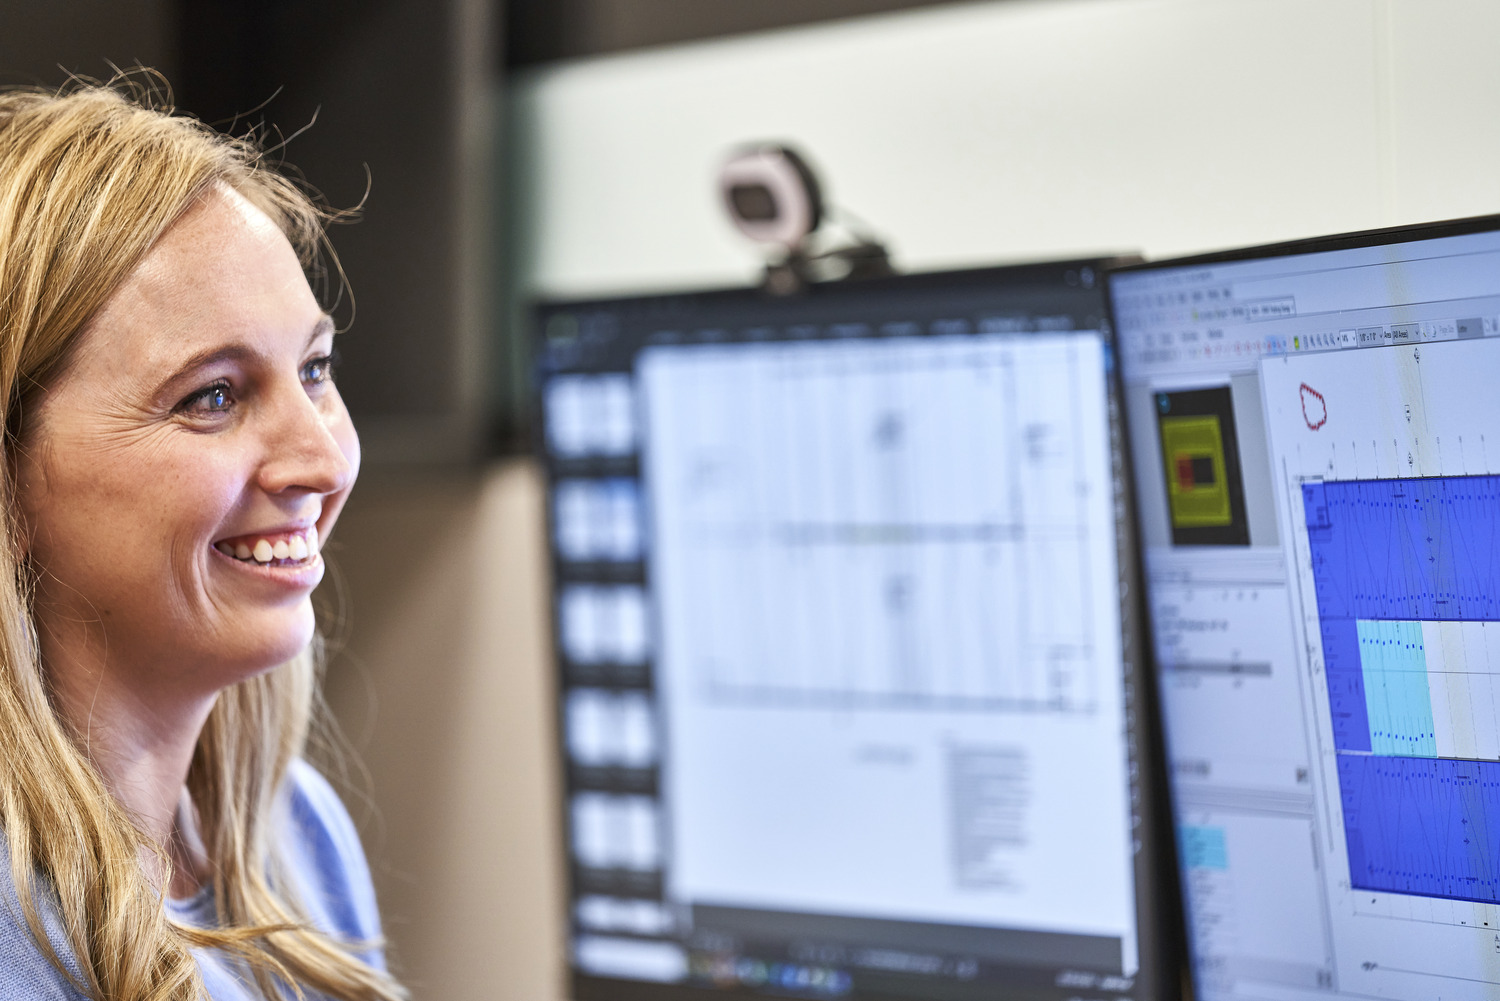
[[287, 549]]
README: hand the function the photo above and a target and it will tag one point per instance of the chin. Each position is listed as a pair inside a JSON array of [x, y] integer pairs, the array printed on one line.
[[279, 644]]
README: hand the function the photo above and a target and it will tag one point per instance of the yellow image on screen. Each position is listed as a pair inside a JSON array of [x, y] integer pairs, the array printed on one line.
[[1197, 478]]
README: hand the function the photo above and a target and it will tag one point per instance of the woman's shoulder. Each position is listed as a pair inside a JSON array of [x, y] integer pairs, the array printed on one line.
[[322, 851], [25, 970]]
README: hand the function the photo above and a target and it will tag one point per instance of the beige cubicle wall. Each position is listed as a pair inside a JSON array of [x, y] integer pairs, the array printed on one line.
[[439, 682], [966, 134]]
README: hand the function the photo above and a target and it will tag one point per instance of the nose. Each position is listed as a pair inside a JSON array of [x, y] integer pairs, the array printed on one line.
[[309, 445]]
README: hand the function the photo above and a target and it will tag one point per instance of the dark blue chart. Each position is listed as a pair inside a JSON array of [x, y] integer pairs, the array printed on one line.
[[1389, 556]]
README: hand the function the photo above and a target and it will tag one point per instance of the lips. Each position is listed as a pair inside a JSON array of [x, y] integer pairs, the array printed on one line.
[[294, 548]]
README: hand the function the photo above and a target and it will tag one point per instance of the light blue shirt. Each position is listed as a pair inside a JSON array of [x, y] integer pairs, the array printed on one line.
[[323, 858]]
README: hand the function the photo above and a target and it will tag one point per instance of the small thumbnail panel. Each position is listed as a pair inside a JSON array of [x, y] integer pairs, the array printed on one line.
[[1200, 455], [604, 624], [590, 415], [616, 832], [599, 913], [598, 520], [610, 729]]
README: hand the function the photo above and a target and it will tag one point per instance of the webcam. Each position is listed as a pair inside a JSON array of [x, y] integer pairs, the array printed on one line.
[[773, 197]]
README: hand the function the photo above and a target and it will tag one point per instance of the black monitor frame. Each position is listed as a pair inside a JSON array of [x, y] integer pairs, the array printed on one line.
[[1159, 920], [1356, 240]]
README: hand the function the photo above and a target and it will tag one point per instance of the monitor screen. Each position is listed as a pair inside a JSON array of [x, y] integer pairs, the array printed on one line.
[[845, 672], [1315, 432]]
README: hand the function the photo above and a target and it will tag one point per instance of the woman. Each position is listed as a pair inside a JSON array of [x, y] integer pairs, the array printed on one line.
[[175, 455]]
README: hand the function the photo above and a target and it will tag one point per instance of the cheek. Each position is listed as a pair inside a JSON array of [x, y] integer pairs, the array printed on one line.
[[127, 516]]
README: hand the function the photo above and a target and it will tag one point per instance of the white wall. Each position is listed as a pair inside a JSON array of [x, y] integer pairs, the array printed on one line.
[[984, 132], [967, 134]]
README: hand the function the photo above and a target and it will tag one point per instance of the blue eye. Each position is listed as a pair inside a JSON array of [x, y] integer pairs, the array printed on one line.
[[216, 398], [320, 369]]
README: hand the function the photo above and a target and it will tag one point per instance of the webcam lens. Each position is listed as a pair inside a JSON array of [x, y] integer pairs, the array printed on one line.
[[753, 202]]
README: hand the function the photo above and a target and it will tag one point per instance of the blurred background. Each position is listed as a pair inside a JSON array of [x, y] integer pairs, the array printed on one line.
[[562, 148]]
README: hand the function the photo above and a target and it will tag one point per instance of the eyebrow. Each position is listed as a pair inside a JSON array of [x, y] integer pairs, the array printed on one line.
[[323, 326], [238, 352]]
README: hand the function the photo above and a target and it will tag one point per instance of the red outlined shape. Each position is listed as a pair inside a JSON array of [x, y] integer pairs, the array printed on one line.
[[1314, 408]]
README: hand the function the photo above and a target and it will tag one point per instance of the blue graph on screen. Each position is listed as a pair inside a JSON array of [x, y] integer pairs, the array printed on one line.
[[1388, 556]]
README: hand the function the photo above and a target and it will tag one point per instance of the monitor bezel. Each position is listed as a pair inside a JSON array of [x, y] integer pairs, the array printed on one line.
[[1353, 240], [1158, 901]]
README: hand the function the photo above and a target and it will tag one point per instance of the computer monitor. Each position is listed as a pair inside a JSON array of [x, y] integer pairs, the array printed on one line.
[[1315, 430], [845, 670]]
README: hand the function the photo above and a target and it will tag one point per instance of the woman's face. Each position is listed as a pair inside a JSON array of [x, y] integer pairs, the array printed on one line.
[[178, 476]]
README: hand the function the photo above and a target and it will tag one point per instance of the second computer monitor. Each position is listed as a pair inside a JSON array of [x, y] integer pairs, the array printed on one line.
[[1316, 432], [846, 671]]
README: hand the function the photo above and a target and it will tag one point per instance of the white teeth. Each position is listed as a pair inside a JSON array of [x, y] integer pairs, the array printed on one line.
[[295, 548]]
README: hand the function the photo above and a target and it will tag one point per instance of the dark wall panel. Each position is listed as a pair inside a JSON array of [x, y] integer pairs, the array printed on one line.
[[375, 76], [369, 94], [43, 40]]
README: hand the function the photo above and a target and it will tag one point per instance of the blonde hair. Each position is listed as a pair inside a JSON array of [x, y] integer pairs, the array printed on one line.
[[90, 178]]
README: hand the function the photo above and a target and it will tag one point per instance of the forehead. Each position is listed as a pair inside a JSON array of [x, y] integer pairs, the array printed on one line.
[[222, 274]]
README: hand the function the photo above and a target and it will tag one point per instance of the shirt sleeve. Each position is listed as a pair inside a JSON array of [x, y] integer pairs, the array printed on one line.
[[325, 859], [25, 971]]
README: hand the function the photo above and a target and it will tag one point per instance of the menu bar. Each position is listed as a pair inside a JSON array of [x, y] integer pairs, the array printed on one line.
[[1190, 344]]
